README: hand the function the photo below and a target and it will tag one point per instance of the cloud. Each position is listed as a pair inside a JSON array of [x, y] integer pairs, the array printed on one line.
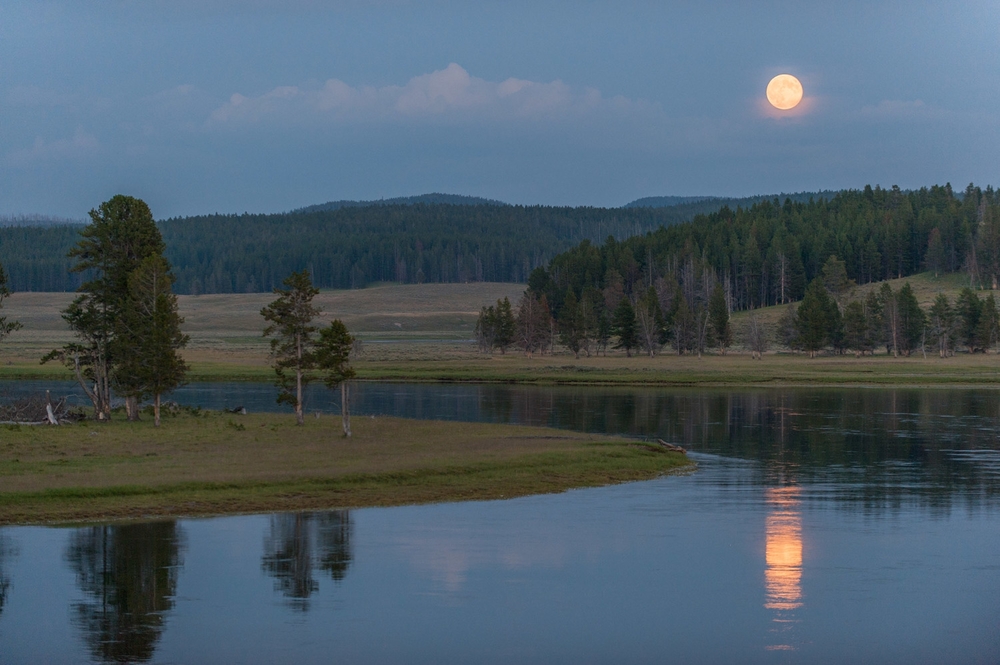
[[81, 144], [451, 94]]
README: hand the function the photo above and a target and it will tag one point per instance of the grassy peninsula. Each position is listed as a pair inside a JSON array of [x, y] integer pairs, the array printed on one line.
[[216, 463]]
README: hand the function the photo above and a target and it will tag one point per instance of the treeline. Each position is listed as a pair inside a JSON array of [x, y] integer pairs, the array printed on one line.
[[767, 254], [349, 247], [826, 318], [883, 318]]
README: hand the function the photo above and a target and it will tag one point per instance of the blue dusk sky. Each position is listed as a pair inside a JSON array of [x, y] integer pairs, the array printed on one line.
[[219, 105]]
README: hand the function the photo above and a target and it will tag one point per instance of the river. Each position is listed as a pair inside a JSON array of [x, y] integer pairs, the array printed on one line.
[[821, 526]]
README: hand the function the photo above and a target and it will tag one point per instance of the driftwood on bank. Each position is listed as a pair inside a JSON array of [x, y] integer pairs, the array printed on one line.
[[671, 447], [35, 409]]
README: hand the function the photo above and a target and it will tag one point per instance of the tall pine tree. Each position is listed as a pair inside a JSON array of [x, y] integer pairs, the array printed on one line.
[[293, 342], [153, 338]]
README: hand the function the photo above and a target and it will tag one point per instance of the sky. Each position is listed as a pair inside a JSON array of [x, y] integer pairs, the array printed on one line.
[[264, 105]]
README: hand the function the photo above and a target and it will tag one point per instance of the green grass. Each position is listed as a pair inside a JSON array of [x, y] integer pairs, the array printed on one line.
[[197, 465]]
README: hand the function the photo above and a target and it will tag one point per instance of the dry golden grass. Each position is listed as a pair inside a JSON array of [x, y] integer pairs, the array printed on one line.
[[436, 322], [222, 463], [226, 329]]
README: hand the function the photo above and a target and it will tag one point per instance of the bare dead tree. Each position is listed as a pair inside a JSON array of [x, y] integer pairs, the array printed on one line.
[[755, 336]]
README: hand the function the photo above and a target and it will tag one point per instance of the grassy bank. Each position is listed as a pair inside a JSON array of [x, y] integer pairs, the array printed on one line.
[[669, 370], [218, 463], [436, 363]]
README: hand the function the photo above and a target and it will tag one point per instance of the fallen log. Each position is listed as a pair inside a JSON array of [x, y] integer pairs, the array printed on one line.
[[671, 447]]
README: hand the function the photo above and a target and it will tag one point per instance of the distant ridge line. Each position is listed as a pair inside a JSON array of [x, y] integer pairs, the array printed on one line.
[[435, 198], [731, 201], [38, 220]]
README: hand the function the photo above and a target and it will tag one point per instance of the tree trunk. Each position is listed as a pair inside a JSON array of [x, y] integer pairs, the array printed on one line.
[[91, 394], [156, 410], [300, 419], [132, 408], [345, 414], [49, 411]]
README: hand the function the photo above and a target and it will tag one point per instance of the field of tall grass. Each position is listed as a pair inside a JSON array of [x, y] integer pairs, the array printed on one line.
[[424, 333]]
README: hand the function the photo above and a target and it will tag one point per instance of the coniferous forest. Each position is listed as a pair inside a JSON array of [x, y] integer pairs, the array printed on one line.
[[762, 251], [678, 284], [348, 247], [768, 253]]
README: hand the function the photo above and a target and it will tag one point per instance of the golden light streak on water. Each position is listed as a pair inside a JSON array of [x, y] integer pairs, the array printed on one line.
[[783, 558]]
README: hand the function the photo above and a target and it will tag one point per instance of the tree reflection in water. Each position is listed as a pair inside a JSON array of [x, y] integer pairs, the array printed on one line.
[[6, 550], [299, 543], [872, 448], [128, 575]]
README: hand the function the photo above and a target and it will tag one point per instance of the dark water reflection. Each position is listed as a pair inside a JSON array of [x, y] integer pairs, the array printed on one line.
[[875, 448], [128, 578], [823, 526], [299, 544], [6, 551]]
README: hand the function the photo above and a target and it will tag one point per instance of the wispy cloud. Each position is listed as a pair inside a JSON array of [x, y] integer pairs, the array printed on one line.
[[450, 93], [79, 145]]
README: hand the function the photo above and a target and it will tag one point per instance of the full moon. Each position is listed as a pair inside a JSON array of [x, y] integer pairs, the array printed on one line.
[[784, 92]]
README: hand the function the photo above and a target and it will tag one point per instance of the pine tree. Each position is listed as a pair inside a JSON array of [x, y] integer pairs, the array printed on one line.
[[623, 326], [855, 328], [685, 326], [506, 326], [153, 334], [570, 333], [812, 318], [649, 321], [941, 324], [590, 313], [935, 259], [485, 331], [787, 330], [876, 323], [889, 304], [6, 327], [835, 277], [333, 354], [120, 236], [718, 313], [293, 346], [533, 323], [912, 320], [989, 324], [603, 338], [968, 308]]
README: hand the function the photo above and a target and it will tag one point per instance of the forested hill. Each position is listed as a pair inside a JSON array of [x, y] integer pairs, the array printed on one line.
[[347, 247], [767, 253], [435, 198], [37, 220], [710, 204]]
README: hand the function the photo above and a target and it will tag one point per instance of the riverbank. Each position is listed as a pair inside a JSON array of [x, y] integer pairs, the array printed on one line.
[[410, 363], [217, 463]]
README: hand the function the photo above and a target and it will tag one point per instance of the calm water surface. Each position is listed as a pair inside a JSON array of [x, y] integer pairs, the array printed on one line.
[[822, 526]]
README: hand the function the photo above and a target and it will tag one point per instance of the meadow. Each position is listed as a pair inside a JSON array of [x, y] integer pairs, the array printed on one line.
[[424, 332], [214, 463]]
